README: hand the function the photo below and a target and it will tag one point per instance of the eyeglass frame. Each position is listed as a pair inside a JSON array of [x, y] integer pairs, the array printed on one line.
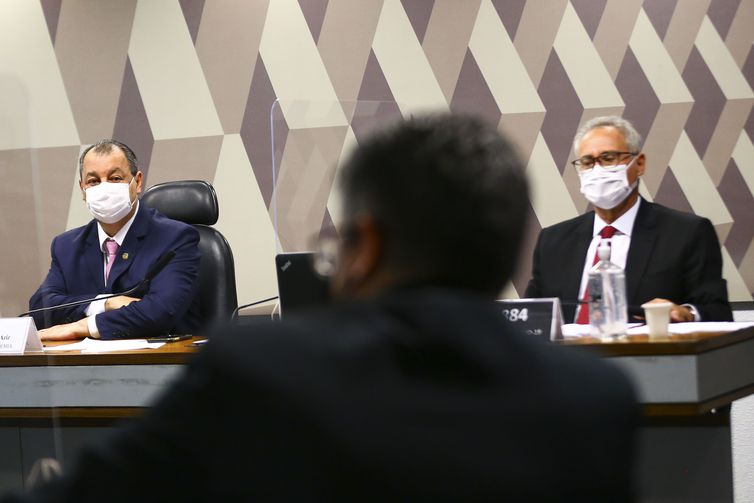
[[578, 163]]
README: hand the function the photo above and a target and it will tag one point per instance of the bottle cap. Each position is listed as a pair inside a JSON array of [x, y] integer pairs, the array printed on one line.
[[603, 251]]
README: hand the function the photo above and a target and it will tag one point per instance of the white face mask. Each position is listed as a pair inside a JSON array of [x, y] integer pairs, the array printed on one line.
[[109, 202], [606, 188]]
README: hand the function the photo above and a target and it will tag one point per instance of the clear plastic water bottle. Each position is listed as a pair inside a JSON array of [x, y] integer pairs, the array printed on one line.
[[608, 314]]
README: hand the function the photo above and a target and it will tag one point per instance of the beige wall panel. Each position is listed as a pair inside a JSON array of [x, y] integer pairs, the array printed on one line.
[[447, 39], [34, 108], [720, 62], [171, 81], [582, 64], [661, 140], [307, 170], [740, 281], [509, 292], [404, 63], [741, 35], [696, 183], [614, 32], [91, 45], [535, 36], [644, 192], [184, 159], [721, 145], [286, 39], [746, 269], [245, 222], [523, 130], [227, 46], [33, 212], [53, 171], [681, 33], [500, 65], [334, 200], [722, 231], [663, 76], [743, 154], [550, 199], [77, 213], [345, 42]]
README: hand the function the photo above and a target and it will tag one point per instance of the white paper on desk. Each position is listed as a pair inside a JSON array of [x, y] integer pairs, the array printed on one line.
[[583, 330], [708, 326], [96, 346]]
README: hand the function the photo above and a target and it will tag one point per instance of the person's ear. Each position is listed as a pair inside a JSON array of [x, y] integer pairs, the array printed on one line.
[[360, 253], [640, 164], [139, 179], [366, 243]]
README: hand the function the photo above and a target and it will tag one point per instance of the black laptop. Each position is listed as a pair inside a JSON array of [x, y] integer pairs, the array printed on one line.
[[299, 286]]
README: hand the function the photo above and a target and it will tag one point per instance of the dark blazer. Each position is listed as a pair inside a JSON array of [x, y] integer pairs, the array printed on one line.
[[168, 303], [420, 396], [673, 255]]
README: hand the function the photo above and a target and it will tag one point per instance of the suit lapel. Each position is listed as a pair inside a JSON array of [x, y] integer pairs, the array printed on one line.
[[643, 237], [94, 260], [582, 239], [130, 248]]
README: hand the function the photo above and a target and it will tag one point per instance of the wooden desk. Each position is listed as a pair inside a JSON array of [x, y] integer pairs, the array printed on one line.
[[76, 385], [686, 384], [52, 403], [685, 374]]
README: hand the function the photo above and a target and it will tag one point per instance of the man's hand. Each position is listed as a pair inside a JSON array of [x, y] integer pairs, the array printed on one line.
[[66, 332], [677, 313], [118, 302]]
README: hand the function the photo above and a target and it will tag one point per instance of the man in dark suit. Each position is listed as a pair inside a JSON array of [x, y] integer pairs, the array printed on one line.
[[113, 253], [666, 254], [411, 387]]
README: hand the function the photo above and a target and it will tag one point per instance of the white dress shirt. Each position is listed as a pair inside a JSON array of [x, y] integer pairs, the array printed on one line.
[[98, 306], [620, 242]]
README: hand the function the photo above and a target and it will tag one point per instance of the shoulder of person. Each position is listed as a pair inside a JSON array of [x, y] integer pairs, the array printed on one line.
[[569, 225], [673, 215], [77, 234]]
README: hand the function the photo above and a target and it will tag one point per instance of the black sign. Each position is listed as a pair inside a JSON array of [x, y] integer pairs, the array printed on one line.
[[538, 317]]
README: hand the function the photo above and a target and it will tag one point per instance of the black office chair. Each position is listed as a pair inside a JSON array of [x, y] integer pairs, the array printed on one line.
[[195, 202]]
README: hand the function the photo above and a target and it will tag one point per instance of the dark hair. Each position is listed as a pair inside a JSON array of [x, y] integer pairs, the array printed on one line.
[[450, 196], [105, 147]]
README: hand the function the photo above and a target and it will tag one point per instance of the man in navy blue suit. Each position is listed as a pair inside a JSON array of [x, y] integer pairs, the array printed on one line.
[[113, 253]]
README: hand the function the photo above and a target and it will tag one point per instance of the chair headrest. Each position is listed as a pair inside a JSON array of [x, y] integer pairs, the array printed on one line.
[[190, 201]]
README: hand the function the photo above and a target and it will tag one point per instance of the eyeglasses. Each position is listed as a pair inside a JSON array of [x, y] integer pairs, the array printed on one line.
[[606, 159]]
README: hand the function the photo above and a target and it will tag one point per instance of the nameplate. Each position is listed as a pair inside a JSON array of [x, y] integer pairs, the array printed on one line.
[[538, 317], [19, 336]]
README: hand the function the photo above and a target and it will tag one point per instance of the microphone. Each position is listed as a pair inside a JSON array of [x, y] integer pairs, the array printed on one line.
[[151, 273]]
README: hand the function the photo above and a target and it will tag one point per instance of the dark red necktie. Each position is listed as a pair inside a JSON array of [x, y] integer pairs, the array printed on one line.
[[606, 233]]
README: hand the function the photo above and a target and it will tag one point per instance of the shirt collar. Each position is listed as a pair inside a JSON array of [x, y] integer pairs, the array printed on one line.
[[120, 235], [624, 224]]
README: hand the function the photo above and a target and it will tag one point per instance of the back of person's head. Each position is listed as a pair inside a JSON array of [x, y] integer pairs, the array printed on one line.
[[449, 195]]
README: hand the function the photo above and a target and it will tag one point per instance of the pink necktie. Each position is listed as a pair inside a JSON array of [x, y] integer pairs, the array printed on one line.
[[606, 233], [112, 250]]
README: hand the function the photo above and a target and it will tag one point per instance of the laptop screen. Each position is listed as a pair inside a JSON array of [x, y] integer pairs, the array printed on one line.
[[299, 286]]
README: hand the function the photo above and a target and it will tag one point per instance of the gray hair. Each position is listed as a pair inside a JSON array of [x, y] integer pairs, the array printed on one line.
[[632, 137], [105, 147]]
